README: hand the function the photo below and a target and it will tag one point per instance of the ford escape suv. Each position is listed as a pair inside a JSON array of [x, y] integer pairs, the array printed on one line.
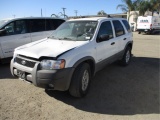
[[69, 58]]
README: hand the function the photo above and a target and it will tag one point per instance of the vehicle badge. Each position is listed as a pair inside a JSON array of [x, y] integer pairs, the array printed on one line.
[[23, 62]]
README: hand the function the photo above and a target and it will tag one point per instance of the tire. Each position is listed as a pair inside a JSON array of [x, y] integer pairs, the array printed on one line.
[[80, 81], [139, 32], [126, 57]]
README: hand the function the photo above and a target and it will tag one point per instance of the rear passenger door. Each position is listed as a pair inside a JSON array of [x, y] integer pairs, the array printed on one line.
[[37, 29], [120, 35], [42, 28]]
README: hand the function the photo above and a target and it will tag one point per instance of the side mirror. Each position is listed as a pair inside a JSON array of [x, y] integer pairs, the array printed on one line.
[[103, 37], [3, 32]]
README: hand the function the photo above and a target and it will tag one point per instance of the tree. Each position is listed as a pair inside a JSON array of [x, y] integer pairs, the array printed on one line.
[[143, 6], [154, 6], [128, 5], [148, 5], [101, 13]]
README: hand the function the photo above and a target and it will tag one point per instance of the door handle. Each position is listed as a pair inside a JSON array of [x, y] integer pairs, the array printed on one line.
[[124, 38], [112, 43]]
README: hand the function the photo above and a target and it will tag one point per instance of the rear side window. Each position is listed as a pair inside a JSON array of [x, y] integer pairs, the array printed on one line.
[[20, 27], [126, 25], [52, 24], [119, 30], [57, 22], [37, 25]]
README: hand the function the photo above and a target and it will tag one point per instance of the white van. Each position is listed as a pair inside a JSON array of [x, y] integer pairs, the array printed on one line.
[[19, 31], [148, 24]]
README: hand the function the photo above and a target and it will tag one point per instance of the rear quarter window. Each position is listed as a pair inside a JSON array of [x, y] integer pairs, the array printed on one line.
[[126, 24]]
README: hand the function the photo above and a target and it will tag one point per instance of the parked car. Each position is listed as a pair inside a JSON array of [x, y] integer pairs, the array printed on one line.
[[70, 57], [20, 31]]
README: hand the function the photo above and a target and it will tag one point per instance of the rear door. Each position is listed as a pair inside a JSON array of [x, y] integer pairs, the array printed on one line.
[[120, 35], [106, 49], [16, 35], [42, 28], [37, 29]]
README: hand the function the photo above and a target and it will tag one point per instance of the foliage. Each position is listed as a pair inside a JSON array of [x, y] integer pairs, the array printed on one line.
[[101, 13], [129, 5], [141, 5]]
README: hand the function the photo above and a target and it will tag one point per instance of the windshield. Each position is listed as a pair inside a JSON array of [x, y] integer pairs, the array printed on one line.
[[75, 30], [2, 22]]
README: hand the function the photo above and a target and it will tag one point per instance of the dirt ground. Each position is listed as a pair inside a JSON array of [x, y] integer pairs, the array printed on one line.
[[116, 93]]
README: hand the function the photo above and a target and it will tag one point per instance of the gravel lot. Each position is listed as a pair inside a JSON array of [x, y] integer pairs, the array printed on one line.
[[116, 93]]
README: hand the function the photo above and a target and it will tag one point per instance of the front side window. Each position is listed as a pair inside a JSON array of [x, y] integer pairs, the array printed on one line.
[[15, 27], [10, 28], [106, 29], [75, 30], [119, 30]]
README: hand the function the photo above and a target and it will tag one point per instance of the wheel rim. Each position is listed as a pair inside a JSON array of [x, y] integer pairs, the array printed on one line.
[[128, 56], [85, 80]]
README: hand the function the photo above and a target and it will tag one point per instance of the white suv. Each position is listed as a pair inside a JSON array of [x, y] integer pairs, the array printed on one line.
[[70, 57]]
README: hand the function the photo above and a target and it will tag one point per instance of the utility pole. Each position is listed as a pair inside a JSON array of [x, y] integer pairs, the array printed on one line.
[[41, 12], [76, 12], [64, 12], [14, 16]]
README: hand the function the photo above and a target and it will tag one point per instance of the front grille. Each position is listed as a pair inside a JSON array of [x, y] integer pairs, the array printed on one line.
[[25, 62]]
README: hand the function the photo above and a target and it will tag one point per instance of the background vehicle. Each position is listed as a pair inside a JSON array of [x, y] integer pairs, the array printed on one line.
[[20, 31], [148, 24], [70, 57]]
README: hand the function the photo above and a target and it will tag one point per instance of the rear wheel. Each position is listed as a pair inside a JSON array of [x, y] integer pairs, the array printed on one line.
[[80, 80], [126, 57]]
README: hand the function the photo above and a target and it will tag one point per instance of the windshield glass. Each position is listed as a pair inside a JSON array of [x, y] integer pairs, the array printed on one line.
[[75, 30], [2, 22]]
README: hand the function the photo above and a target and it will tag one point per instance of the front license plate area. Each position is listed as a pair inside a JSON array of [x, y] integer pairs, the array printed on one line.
[[21, 74]]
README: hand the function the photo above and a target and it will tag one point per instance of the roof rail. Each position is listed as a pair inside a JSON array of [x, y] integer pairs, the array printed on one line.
[[89, 16]]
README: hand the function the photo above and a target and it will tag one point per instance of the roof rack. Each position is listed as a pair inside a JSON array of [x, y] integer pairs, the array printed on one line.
[[89, 16]]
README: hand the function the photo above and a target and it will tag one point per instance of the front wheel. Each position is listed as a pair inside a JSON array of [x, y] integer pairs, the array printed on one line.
[[80, 80], [126, 57]]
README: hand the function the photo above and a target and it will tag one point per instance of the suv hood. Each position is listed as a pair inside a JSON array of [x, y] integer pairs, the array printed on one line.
[[47, 47]]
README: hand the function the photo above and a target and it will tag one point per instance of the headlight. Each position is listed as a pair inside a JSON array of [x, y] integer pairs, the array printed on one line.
[[52, 64]]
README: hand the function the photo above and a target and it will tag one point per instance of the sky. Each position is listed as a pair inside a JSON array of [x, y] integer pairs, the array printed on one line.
[[28, 8]]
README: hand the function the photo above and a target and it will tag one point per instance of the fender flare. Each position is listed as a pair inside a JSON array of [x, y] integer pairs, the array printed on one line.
[[88, 59]]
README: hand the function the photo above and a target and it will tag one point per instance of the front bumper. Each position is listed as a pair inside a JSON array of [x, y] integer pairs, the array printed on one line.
[[48, 79]]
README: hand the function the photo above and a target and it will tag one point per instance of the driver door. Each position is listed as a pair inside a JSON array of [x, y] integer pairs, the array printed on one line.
[[16, 35]]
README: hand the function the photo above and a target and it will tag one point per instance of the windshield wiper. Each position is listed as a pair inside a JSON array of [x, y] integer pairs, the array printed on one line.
[[65, 38], [52, 37]]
